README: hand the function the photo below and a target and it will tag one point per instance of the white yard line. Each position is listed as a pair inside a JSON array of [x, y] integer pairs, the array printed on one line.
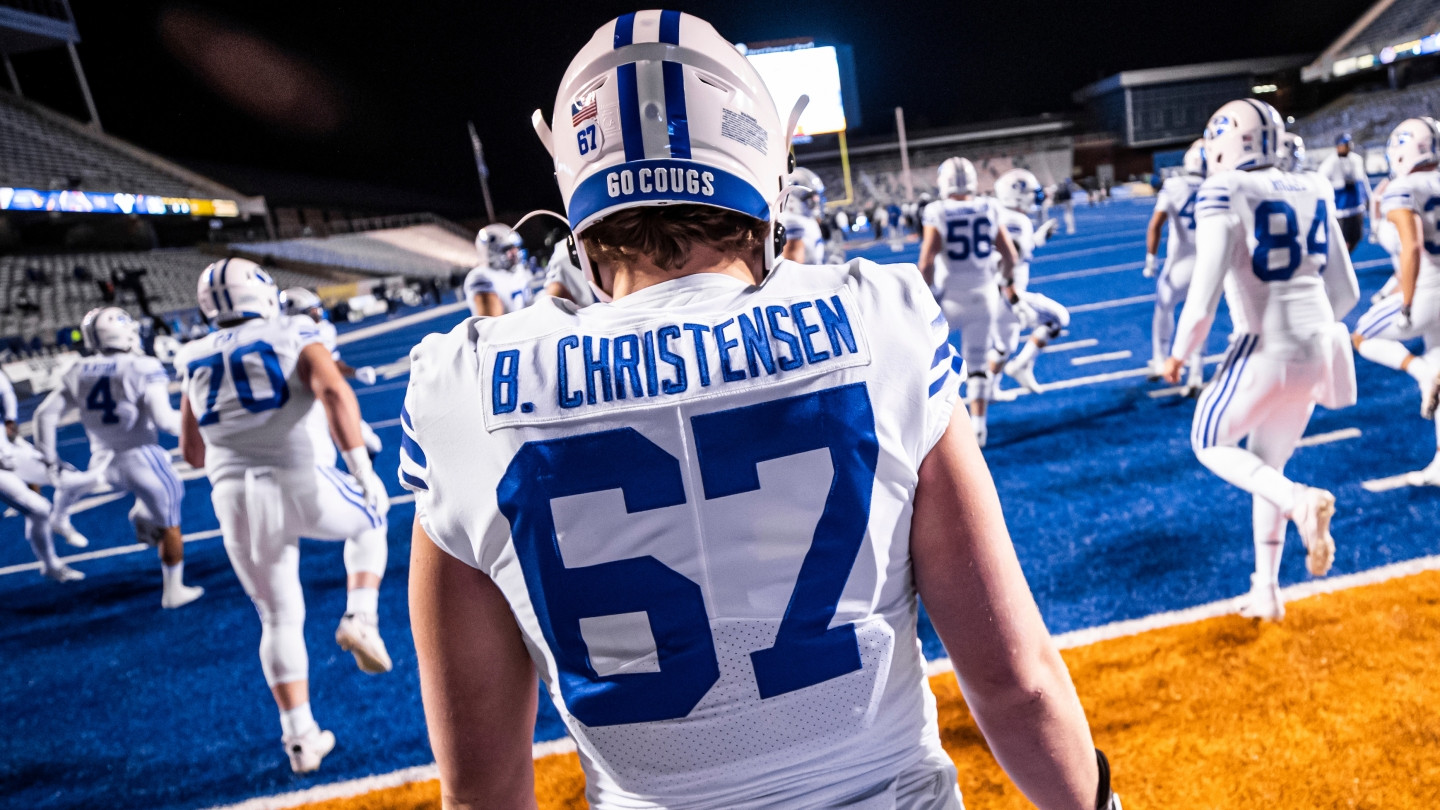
[[1100, 358], [1098, 271], [1328, 438], [399, 323], [1409, 479], [1118, 302], [1071, 346]]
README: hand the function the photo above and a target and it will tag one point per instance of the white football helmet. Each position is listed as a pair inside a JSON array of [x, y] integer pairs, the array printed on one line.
[[299, 301], [1415, 142], [110, 329], [1194, 160], [1243, 134], [1016, 190], [957, 176], [493, 242], [1292, 153], [659, 109], [232, 289], [807, 193]]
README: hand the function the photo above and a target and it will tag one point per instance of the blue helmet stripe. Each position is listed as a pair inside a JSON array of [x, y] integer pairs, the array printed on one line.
[[675, 117], [629, 88], [625, 30], [670, 27], [223, 266]]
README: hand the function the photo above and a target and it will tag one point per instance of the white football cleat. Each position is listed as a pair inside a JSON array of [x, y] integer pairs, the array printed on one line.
[[1430, 398], [71, 536], [306, 750], [1312, 513], [1263, 601], [359, 634], [1025, 375], [63, 573], [181, 596]]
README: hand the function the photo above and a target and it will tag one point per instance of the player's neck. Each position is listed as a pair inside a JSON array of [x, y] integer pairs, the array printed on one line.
[[634, 276]]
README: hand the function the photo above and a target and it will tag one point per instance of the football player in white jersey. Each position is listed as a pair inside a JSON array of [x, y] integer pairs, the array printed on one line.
[[247, 390], [300, 301], [703, 512], [123, 398], [1345, 172], [1175, 203], [963, 255], [1265, 236], [1017, 191], [1412, 204], [563, 278], [804, 205], [501, 282], [19, 484]]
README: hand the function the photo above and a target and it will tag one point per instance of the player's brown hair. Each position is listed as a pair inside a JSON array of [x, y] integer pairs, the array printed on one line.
[[663, 234]]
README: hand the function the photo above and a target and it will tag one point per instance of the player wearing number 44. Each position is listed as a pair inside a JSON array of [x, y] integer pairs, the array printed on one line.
[[1411, 204], [703, 510], [1265, 236], [1175, 202], [247, 394], [124, 400]]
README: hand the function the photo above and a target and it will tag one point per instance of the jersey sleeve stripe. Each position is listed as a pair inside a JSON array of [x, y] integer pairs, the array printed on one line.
[[941, 354], [939, 385]]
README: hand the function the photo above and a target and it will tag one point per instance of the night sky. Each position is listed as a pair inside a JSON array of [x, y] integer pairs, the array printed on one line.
[[378, 93]]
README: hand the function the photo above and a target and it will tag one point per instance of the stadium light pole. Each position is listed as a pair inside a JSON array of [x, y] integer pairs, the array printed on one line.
[[85, 87], [482, 169], [904, 155], [14, 78]]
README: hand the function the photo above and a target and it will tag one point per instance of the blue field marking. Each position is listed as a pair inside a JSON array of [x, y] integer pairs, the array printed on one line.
[[111, 700]]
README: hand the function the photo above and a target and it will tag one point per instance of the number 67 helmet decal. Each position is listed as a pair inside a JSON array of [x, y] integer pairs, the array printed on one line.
[[231, 289], [659, 109], [1243, 134]]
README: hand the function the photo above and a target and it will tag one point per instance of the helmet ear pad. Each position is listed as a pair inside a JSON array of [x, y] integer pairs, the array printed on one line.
[[779, 231]]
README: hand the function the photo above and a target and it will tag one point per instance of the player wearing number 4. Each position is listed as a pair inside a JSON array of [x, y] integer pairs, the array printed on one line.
[[247, 391], [703, 511], [1176, 203], [124, 400], [1265, 236], [1412, 204]]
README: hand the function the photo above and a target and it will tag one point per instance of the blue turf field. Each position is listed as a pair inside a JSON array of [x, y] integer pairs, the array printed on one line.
[[110, 699]]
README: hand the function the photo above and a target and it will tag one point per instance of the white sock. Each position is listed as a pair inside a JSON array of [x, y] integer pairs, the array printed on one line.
[[1249, 472], [1197, 369], [1422, 371], [363, 600], [1388, 353], [174, 575], [297, 721], [1026, 357], [1269, 533]]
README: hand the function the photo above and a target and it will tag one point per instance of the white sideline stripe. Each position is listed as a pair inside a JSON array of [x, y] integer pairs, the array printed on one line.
[[1409, 479], [1095, 379], [1100, 358], [1167, 392], [1130, 245], [399, 323], [1225, 607], [1071, 346], [1327, 438], [1098, 271], [105, 552], [1118, 302], [940, 666]]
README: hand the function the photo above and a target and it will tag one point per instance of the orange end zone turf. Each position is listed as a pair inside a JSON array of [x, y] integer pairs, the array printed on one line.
[[1334, 707]]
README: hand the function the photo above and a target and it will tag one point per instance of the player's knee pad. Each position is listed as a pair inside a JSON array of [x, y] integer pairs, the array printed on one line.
[[368, 553], [979, 385], [283, 656]]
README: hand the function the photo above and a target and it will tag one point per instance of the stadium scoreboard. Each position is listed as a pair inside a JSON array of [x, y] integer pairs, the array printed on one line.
[[824, 72], [96, 202]]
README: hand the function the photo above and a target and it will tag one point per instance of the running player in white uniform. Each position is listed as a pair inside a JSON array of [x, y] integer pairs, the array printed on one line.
[[300, 301], [703, 511], [501, 282], [19, 482], [1266, 236], [964, 254], [247, 391], [1175, 203], [124, 400], [804, 241], [1412, 204], [1016, 190]]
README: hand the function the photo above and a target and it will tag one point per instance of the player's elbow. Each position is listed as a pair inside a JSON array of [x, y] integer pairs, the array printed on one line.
[[192, 449], [1022, 684]]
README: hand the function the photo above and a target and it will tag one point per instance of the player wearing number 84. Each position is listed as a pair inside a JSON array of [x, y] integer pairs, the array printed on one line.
[[703, 510]]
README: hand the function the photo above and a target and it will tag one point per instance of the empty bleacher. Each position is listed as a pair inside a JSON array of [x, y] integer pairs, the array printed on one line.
[[415, 250], [1369, 116]]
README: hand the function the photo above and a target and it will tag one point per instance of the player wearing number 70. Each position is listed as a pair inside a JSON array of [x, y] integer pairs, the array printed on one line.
[[1270, 239], [246, 397], [703, 512]]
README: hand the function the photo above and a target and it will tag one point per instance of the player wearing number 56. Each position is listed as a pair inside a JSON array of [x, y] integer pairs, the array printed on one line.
[[703, 509]]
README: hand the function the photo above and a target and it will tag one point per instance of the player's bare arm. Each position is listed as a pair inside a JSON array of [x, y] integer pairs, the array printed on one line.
[[476, 681], [794, 250], [1009, 669], [929, 249], [557, 290], [487, 304], [1407, 225], [192, 444]]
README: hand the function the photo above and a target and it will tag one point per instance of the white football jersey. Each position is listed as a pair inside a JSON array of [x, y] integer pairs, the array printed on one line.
[[1274, 285], [1022, 233], [516, 287], [1419, 192], [329, 336], [109, 391], [967, 230], [562, 271], [1176, 199], [807, 230], [697, 502], [252, 406], [1348, 181]]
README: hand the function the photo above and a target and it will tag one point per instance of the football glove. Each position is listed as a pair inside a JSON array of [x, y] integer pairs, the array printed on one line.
[[1404, 320], [1149, 265], [357, 459], [365, 374], [1025, 314]]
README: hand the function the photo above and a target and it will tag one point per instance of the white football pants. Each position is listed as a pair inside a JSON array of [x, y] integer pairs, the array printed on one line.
[[146, 472], [16, 493], [1382, 332], [262, 517], [1050, 314], [1170, 291], [975, 314]]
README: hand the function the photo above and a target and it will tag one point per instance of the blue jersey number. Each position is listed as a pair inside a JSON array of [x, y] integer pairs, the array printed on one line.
[[1432, 215], [1186, 214], [729, 446], [1268, 239], [978, 236], [100, 399], [586, 141], [215, 364]]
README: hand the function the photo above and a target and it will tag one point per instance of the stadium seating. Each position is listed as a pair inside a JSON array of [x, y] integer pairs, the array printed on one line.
[[1369, 116], [417, 250], [60, 296]]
